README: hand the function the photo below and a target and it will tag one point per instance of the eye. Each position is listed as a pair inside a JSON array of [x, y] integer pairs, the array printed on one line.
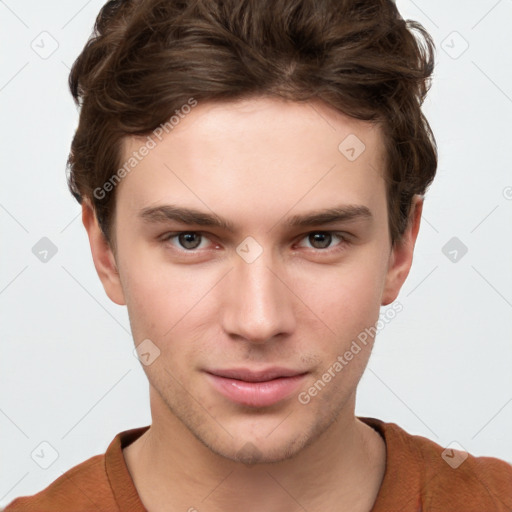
[[322, 239], [187, 240], [192, 241]]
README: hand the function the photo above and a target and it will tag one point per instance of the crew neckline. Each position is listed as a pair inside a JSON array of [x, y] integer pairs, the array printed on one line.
[[394, 493]]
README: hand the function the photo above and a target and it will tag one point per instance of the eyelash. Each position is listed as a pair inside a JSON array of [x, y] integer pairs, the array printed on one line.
[[344, 237]]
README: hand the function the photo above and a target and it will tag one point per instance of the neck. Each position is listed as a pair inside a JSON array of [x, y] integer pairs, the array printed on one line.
[[341, 469]]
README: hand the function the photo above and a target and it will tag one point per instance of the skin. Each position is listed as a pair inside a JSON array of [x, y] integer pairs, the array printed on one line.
[[300, 305]]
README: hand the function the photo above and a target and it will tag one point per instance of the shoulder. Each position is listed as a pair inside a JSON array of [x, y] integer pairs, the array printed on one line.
[[443, 478], [102, 482], [456, 478], [83, 487]]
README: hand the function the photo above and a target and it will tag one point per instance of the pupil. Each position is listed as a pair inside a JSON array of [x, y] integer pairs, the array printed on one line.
[[323, 238]]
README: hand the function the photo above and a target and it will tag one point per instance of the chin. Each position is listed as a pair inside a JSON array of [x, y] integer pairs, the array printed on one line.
[[274, 442]]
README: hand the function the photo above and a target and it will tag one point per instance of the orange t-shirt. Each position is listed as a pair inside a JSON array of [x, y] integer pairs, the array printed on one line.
[[418, 478]]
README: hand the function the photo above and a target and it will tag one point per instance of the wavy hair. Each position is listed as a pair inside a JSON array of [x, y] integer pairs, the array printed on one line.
[[146, 58]]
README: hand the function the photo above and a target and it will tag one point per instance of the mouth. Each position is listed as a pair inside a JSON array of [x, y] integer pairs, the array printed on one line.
[[259, 388]]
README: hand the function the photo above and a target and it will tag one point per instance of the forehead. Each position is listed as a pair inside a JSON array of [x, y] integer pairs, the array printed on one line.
[[263, 154]]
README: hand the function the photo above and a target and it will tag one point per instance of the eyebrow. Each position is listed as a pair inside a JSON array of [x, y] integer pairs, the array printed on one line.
[[192, 216]]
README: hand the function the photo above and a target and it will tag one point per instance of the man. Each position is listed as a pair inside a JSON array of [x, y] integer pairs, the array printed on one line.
[[252, 176]]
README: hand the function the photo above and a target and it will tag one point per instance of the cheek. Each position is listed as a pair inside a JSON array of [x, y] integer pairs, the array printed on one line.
[[345, 298], [154, 305], [152, 296], [165, 302]]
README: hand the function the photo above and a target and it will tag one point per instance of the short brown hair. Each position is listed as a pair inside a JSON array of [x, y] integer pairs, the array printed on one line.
[[147, 58]]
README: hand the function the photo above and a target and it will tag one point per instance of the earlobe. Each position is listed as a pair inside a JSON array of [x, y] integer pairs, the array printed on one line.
[[401, 256], [102, 255]]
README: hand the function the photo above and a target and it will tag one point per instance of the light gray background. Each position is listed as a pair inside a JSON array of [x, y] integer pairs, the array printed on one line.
[[441, 369]]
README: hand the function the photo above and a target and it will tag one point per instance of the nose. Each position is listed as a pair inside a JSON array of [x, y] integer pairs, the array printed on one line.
[[258, 305]]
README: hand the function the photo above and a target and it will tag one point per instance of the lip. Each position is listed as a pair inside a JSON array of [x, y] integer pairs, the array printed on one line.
[[256, 388]]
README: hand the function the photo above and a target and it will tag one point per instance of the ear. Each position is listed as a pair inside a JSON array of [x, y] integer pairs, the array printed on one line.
[[102, 255], [400, 259]]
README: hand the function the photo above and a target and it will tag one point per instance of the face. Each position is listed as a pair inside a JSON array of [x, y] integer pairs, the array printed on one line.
[[248, 239]]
